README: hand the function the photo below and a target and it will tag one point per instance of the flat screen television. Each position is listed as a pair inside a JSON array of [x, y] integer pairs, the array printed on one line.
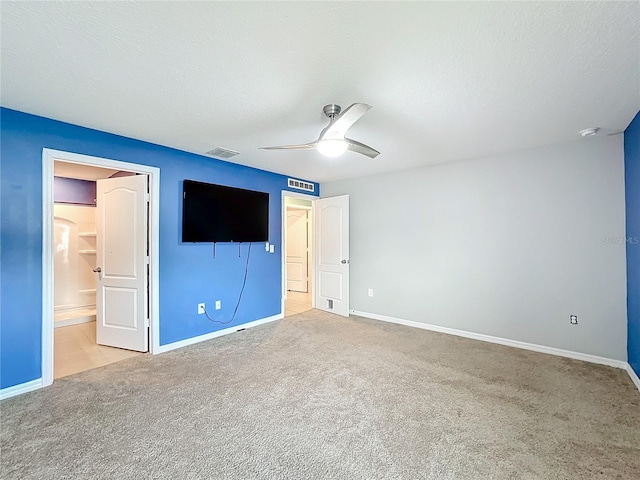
[[215, 213]]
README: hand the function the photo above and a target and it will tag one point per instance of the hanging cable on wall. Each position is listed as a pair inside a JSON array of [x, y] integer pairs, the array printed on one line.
[[244, 284]]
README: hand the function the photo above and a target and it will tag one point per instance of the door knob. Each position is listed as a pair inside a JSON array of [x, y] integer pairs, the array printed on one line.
[[344, 261], [97, 269]]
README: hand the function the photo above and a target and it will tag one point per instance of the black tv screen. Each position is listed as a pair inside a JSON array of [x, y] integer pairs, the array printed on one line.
[[215, 213]]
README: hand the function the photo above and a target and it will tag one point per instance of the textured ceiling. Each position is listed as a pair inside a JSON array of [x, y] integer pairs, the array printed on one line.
[[447, 80]]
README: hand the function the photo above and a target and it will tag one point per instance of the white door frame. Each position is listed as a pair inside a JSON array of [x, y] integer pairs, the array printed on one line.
[[48, 158], [283, 253]]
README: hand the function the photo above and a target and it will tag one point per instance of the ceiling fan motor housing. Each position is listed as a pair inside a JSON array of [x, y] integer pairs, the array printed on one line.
[[332, 110]]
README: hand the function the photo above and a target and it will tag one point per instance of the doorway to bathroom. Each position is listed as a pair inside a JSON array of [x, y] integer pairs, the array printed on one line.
[[101, 272], [76, 269]]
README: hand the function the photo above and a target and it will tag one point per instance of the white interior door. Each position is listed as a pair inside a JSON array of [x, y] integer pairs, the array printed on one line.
[[331, 227], [297, 250], [121, 241]]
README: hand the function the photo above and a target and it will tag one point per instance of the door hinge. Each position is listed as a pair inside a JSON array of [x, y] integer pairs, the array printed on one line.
[[147, 197], [147, 259], [146, 323]]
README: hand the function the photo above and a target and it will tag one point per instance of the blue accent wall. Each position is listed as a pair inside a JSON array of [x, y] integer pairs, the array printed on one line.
[[632, 200], [188, 272]]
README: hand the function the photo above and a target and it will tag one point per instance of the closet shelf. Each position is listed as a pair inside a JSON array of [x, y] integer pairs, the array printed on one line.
[[87, 252], [87, 234], [87, 292]]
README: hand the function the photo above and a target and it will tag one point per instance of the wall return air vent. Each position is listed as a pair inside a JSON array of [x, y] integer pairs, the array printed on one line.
[[220, 152], [300, 185]]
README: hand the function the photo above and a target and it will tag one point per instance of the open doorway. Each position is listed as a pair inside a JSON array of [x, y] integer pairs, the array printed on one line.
[[74, 269], [327, 255], [297, 253], [100, 262]]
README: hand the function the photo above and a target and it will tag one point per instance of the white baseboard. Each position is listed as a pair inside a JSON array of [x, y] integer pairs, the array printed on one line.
[[36, 384], [634, 376], [67, 322], [208, 336], [499, 340], [21, 388]]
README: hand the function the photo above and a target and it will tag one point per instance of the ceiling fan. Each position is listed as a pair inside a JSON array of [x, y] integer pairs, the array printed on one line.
[[332, 141]]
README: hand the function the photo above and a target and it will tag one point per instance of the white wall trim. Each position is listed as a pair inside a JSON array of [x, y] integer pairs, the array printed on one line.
[[219, 333], [47, 268], [499, 340], [634, 377], [21, 388], [48, 158], [67, 322], [39, 383]]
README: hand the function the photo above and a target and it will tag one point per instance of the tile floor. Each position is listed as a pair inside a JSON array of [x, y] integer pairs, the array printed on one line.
[[75, 350], [297, 302]]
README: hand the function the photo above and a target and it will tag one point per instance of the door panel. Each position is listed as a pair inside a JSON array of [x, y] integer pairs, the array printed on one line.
[[122, 257], [119, 230], [331, 285], [297, 250], [294, 274], [332, 244], [330, 248], [120, 308]]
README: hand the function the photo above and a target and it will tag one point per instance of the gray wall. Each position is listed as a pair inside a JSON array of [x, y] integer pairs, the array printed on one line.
[[508, 246]]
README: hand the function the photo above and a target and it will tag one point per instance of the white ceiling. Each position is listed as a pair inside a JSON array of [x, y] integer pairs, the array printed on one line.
[[447, 80]]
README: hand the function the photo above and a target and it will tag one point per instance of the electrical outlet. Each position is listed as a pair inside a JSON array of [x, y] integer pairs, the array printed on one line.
[[574, 319], [218, 304], [271, 248], [266, 246], [370, 292], [200, 308]]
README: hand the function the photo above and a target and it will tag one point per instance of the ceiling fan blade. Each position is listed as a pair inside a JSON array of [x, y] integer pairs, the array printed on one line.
[[304, 146], [339, 126], [361, 148]]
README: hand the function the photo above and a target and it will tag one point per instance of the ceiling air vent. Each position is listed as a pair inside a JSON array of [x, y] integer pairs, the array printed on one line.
[[220, 152], [306, 186]]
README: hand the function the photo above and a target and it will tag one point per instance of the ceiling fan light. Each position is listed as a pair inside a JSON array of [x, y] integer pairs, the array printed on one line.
[[332, 148]]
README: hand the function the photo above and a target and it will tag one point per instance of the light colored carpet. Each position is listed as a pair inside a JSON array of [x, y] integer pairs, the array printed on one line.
[[316, 396]]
